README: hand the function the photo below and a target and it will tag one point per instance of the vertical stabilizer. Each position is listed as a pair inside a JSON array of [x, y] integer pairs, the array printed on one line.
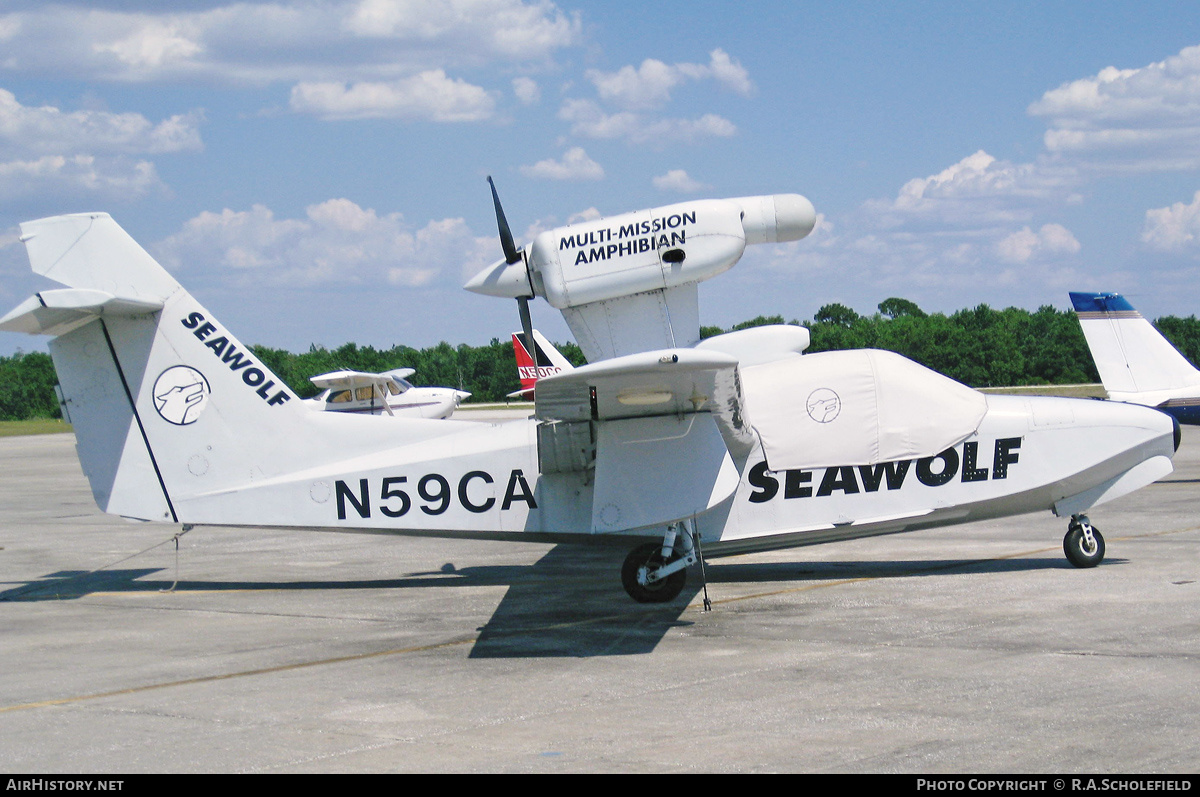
[[549, 362], [175, 418], [1131, 355], [91, 251]]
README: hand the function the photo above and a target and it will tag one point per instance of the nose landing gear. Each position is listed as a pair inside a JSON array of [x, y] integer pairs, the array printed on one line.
[[1083, 545]]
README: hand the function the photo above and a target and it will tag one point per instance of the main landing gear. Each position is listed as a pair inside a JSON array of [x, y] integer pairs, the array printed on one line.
[[655, 572], [1083, 545]]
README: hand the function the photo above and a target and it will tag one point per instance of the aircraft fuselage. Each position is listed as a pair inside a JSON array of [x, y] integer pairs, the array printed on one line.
[[1029, 454]]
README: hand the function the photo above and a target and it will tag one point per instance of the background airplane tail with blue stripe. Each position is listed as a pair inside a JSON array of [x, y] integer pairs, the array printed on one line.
[[1136, 363]]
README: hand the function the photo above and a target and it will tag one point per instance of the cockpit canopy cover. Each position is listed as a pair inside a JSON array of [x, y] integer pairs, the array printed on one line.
[[856, 408]]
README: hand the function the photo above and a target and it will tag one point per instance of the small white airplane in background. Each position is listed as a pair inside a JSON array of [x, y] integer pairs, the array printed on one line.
[[389, 392], [1136, 363], [732, 444], [550, 361]]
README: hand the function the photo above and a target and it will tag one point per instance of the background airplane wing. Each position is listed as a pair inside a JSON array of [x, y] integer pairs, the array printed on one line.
[[348, 379]]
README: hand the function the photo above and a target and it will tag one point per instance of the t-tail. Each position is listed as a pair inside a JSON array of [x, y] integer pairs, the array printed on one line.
[[549, 361], [175, 418], [1136, 363]]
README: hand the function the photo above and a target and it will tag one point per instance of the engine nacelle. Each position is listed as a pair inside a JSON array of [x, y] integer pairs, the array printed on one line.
[[647, 250]]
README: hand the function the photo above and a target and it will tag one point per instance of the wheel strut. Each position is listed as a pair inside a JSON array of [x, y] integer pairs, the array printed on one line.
[[654, 572], [1083, 545]]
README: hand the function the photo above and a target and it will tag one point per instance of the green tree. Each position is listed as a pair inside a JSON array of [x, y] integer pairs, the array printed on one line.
[[836, 314], [758, 321], [27, 387], [899, 308], [1184, 334]]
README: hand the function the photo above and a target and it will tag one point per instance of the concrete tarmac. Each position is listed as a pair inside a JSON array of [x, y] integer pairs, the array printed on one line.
[[971, 649]]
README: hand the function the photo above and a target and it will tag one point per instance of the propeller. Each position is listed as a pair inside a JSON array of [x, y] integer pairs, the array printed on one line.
[[511, 253], [511, 256]]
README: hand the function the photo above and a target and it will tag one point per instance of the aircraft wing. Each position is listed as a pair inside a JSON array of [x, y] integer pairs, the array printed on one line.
[[349, 379], [666, 383], [670, 433]]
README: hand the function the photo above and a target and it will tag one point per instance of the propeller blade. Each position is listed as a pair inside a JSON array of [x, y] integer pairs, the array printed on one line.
[[527, 328], [511, 255]]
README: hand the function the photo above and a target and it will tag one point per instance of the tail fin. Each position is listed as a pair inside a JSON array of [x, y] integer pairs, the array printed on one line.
[[549, 361], [171, 411], [1131, 355]]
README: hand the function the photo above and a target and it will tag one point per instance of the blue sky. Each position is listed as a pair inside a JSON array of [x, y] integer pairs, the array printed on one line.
[[314, 172]]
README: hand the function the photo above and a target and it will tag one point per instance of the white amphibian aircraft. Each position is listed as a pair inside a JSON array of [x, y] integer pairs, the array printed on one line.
[[682, 448], [1136, 363], [387, 393]]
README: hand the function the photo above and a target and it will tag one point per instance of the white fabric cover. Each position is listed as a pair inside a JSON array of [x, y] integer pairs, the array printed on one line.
[[856, 407]]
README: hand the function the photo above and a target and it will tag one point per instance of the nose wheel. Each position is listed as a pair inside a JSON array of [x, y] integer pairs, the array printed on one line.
[[1083, 545]]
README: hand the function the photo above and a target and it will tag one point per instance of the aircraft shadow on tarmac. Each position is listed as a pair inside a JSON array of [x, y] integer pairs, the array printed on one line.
[[568, 603]]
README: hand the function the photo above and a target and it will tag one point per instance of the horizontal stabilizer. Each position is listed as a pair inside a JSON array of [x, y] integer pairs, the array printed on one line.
[[57, 312]]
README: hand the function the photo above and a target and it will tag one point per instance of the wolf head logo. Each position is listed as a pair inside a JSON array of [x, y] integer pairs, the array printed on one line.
[[180, 395]]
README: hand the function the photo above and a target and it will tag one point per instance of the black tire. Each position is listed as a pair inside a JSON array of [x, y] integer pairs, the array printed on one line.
[[658, 592], [1076, 549]]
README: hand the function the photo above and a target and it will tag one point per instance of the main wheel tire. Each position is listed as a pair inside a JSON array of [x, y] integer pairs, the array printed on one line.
[[663, 591], [1077, 550]]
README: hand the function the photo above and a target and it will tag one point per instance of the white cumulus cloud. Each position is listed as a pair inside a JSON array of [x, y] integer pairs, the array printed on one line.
[[589, 120], [574, 165], [154, 45], [1025, 244], [979, 191], [649, 85], [527, 90], [508, 27], [677, 180], [76, 176], [430, 95], [46, 129], [1175, 228], [1133, 119], [284, 40], [336, 243], [47, 152], [958, 231]]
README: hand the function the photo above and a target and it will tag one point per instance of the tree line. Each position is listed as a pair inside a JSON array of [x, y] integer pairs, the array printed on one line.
[[980, 347]]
